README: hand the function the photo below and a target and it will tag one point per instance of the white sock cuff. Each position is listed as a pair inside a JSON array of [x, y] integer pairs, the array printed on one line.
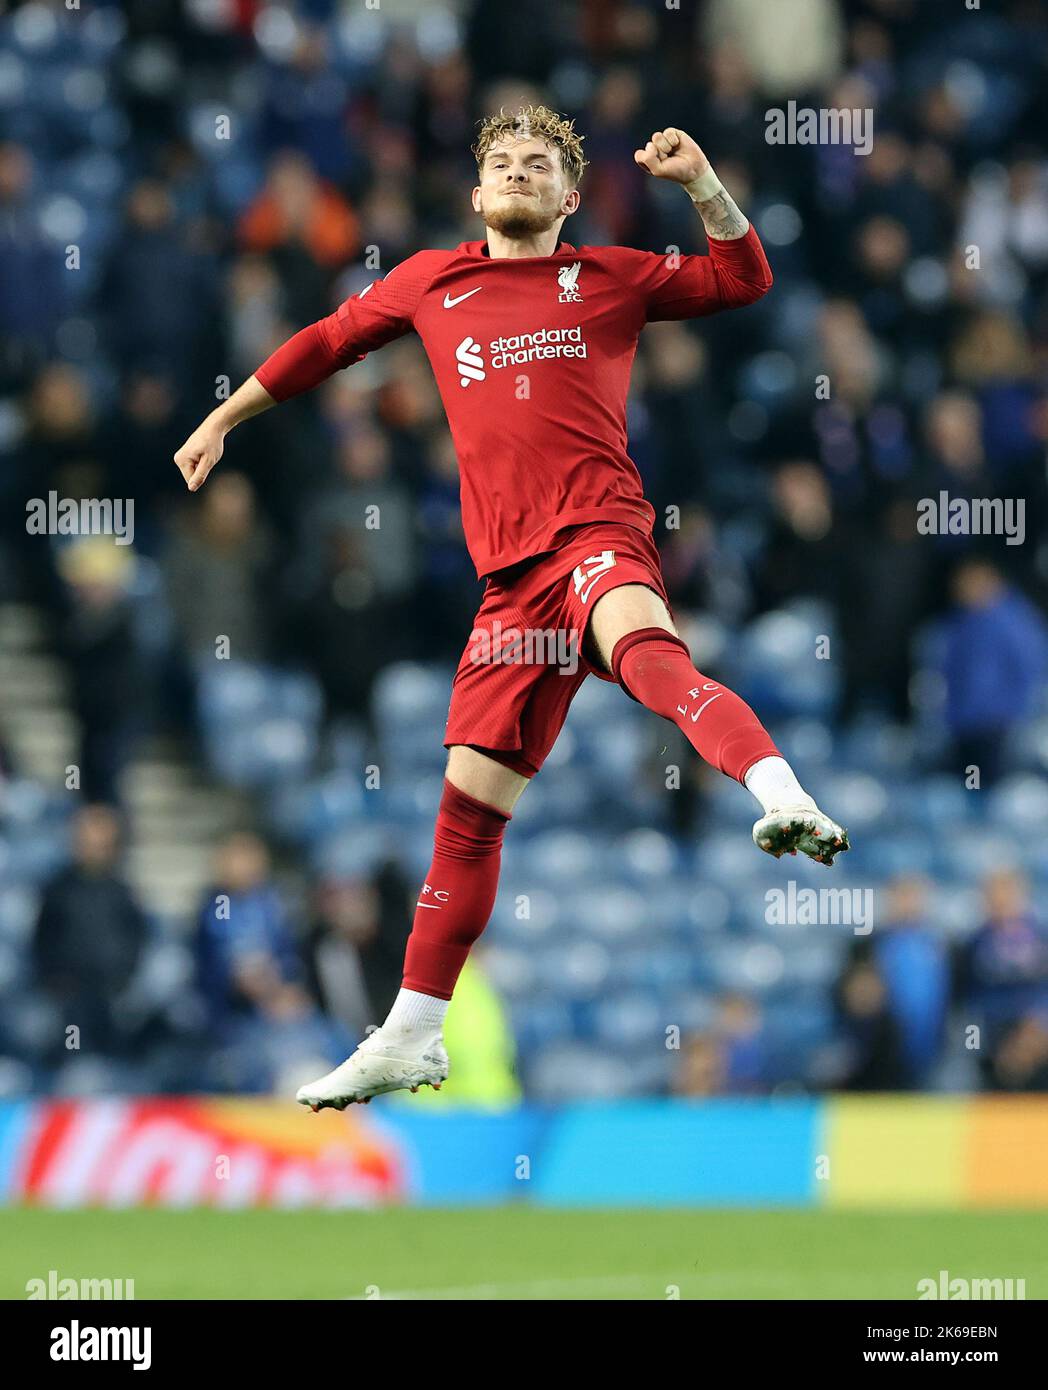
[[773, 782], [414, 1012]]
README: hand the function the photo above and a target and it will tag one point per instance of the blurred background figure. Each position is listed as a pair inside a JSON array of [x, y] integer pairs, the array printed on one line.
[[247, 959], [105, 664], [872, 1043], [895, 991], [994, 662], [87, 943], [261, 1024], [154, 318], [730, 1058], [305, 227], [356, 946], [701, 1071], [1003, 985], [740, 1033], [216, 570]]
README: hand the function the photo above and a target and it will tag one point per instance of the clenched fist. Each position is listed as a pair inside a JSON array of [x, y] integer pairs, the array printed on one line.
[[672, 154], [201, 451]]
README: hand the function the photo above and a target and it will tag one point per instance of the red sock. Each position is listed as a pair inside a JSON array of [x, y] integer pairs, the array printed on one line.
[[458, 894], [655, 668]]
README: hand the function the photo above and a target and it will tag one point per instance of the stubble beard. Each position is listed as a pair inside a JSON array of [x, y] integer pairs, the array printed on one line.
[[525, 219]]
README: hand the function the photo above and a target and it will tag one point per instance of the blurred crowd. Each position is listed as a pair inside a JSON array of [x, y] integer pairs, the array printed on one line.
[[893, 1000], [267, 985], [183, 186], [268, 980]]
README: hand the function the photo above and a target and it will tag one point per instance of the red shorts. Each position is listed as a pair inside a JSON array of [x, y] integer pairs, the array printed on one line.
[[524, 660]]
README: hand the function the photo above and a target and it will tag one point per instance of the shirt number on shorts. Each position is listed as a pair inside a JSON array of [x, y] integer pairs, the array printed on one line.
[[591, 569]]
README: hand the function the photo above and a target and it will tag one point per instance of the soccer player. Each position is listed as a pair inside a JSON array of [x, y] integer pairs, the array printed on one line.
[[531, 341]]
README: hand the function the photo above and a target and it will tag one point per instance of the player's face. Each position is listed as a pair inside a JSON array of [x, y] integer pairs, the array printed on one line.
[[522, 188]]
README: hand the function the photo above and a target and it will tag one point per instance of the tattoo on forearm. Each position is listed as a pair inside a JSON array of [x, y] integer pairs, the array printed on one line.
[[722, 218]]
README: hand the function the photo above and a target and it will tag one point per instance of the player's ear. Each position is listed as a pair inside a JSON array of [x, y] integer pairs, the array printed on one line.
[[570, 202], [474, 198]]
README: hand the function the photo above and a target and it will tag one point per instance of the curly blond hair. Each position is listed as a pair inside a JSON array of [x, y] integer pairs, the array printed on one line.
[[537, 122]]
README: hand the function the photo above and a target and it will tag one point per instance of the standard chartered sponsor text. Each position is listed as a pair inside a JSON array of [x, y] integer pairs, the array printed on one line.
[[531, 347]]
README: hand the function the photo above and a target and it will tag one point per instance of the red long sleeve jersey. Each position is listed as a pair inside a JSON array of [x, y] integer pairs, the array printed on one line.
[[532, 359]]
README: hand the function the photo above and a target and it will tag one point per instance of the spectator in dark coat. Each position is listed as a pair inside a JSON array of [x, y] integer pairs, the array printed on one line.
[[873, 1060], [218, 572], [102, 645], [165, 321], [356, 947], [88, 941]]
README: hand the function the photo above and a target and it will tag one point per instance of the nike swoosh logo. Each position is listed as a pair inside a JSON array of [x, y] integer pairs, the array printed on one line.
[[450, 303], [702, 707], [434, 906]]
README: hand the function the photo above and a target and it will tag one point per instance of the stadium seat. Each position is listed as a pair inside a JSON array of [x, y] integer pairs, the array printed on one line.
[[409, 695]]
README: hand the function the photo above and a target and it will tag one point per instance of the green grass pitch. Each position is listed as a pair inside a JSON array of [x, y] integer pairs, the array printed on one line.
[[522, 1253]]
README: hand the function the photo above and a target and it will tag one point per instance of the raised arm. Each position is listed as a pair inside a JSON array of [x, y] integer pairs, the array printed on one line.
[[734, 273], [672, 154]]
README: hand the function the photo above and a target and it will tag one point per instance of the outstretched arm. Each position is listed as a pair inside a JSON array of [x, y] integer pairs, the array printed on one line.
[[203, 449], [672, 154], [382, 311], [301, 363]]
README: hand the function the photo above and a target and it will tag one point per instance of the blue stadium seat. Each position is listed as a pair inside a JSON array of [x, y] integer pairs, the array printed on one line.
[[573, 969], [357, 851], [410, 695], [627, 1019], [260, 726], [511, 969], [18, 910], [525, 914], [777, 667], [1017, 803], [606, 911], [572, 1070], [310, 811]]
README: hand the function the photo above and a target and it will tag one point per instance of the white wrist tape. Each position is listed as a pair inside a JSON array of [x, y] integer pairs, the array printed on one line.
[[706, 186]]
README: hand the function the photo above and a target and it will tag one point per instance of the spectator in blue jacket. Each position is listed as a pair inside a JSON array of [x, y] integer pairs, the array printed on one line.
[[1004, 974], [245, 949], [994, 659], [262, 1025], [914, 966]]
